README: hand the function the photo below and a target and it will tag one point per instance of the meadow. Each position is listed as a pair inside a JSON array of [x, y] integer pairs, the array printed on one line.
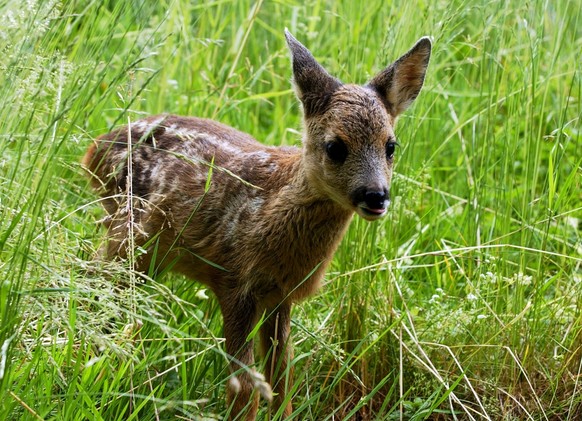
[[464, 303]]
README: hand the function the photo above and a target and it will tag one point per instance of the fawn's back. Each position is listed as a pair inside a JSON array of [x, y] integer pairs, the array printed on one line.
[[257, 224]]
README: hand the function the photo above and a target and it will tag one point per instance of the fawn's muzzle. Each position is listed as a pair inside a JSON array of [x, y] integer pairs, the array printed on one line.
[[371, 203], [375, 200]]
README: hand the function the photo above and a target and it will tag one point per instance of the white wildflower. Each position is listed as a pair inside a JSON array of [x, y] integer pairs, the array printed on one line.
[[201, 294]]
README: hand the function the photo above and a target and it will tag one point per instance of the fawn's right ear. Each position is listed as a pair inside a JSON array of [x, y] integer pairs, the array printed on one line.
[[314, 86], [400, 83]]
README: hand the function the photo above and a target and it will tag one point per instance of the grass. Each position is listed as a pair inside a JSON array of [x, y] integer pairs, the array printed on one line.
[[464, 303]]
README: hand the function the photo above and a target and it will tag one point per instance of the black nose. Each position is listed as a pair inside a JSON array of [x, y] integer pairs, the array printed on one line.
[[375, 199]]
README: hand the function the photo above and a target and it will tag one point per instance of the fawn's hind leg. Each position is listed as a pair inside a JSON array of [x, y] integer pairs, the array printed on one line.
[[275, 342], [122, 242], [129, 230]]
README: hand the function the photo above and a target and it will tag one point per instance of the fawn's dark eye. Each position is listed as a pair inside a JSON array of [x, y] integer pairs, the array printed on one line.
[[337, 150], [390, 149]]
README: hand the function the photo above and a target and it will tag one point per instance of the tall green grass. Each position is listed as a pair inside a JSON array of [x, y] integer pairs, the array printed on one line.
[[464, 303]]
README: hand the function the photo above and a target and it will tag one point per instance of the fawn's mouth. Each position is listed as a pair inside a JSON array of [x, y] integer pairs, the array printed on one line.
[[370, 214]]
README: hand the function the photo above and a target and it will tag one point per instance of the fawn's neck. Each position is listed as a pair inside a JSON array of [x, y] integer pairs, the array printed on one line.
[[305, 200], [303, 228]]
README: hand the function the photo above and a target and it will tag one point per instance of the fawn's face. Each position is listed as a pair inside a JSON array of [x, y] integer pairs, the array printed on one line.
[[349, 151], [349, 141]]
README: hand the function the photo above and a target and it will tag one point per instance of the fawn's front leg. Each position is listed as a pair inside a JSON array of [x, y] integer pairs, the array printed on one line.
[[275, 342], [239, 314]]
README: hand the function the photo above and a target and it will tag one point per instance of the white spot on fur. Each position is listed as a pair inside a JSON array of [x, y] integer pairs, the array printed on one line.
[[234, 211], [264, 158], [223, 145], [210, 140], [260, 156], [146, 126], [256, 204], [182, 132]]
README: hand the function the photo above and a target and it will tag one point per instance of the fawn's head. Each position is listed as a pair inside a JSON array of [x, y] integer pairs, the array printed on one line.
[[349, 137]]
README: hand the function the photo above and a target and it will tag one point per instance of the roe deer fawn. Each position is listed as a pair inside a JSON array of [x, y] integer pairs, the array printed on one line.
[[260, 229]]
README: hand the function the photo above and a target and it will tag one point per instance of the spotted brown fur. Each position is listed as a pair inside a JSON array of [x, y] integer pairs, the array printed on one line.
[[261, 236]]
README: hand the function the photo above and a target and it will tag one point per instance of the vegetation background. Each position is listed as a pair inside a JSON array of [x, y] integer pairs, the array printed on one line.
[[464, 303]]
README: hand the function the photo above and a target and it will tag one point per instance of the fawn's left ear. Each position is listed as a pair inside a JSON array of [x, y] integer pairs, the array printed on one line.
[[400, 83]]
